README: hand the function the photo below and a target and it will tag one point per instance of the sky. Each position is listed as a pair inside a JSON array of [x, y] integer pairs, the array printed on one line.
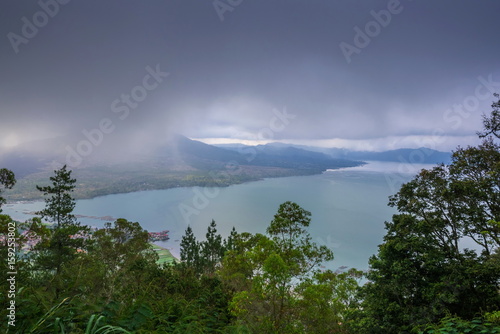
[[365, 75]]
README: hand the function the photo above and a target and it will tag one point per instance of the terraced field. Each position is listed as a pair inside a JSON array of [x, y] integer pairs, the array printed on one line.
[[164, 255]]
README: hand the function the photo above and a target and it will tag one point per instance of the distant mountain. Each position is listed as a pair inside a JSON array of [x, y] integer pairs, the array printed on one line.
[[420, 155], [203, 156], [181, 162], [183, 154], [200, 155], [298, 158], [409, 155]]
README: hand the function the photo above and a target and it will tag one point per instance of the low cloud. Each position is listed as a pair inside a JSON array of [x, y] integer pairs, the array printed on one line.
[[226, 77]]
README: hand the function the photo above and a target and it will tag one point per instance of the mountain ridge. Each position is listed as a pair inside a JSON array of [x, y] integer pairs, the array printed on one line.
[[411, 155], [181, 162]]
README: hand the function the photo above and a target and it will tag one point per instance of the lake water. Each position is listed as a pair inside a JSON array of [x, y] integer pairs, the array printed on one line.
[[348, 206]]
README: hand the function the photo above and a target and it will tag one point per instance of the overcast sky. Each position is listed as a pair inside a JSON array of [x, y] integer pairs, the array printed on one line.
[[357, 74]]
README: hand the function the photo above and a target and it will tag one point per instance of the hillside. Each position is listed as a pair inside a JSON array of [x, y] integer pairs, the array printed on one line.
[[409, 155], [181, 162]]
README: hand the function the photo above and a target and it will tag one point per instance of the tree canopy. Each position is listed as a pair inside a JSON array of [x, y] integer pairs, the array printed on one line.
[[7, 181], [440, 254]]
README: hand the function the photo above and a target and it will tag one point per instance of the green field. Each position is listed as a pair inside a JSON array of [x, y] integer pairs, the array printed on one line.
[[164, 255]]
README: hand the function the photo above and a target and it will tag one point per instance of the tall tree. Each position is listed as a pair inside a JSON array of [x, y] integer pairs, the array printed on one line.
[[66, 236], [229, 243], [204, 257], [7, 180], [273, 266], [288, 230], [59, 206], [190, 249], [212, 249]]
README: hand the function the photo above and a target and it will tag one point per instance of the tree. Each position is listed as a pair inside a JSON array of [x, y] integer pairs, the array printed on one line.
[[7, 180], [272, 267], [229, 243], [212, 249], [66, 237], [327, 300], [491, 123], [424, 270], [60, 204], [117, 250], [204, 257], [190, 250], [237, 269], [288, 231], [475, 185]]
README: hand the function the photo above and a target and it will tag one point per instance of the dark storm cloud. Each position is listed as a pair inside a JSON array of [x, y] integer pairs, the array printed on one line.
[[227, 78]]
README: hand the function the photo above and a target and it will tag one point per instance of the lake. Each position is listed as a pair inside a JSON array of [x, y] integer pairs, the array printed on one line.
[[348, 206]]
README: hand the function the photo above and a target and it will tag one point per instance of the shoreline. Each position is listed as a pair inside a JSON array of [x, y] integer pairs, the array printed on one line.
[[236, 182]]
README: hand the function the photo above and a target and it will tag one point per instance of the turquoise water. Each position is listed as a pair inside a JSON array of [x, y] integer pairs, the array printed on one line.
[[348, 206]]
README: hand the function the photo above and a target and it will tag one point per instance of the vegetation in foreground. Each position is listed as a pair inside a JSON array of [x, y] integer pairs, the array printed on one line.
[[423, 279]]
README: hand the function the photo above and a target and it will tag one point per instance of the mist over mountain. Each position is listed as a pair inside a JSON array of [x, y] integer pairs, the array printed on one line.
[[179, 153], [420, 155], [178, 162]]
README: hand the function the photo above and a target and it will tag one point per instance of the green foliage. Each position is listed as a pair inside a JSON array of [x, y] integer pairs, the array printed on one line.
[[119, 251], [229, 243], [272, 283], [60, 204], [66, 237], [212, 249], [328, 298], [288, 231], [7, 180], [423, 272], [12, 243], [491, 123], [190, 250], [237, 268], [95, 326], [493, 317], [243, 284], [42, 324], [276, 282], [454, 325], [204, 257]]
